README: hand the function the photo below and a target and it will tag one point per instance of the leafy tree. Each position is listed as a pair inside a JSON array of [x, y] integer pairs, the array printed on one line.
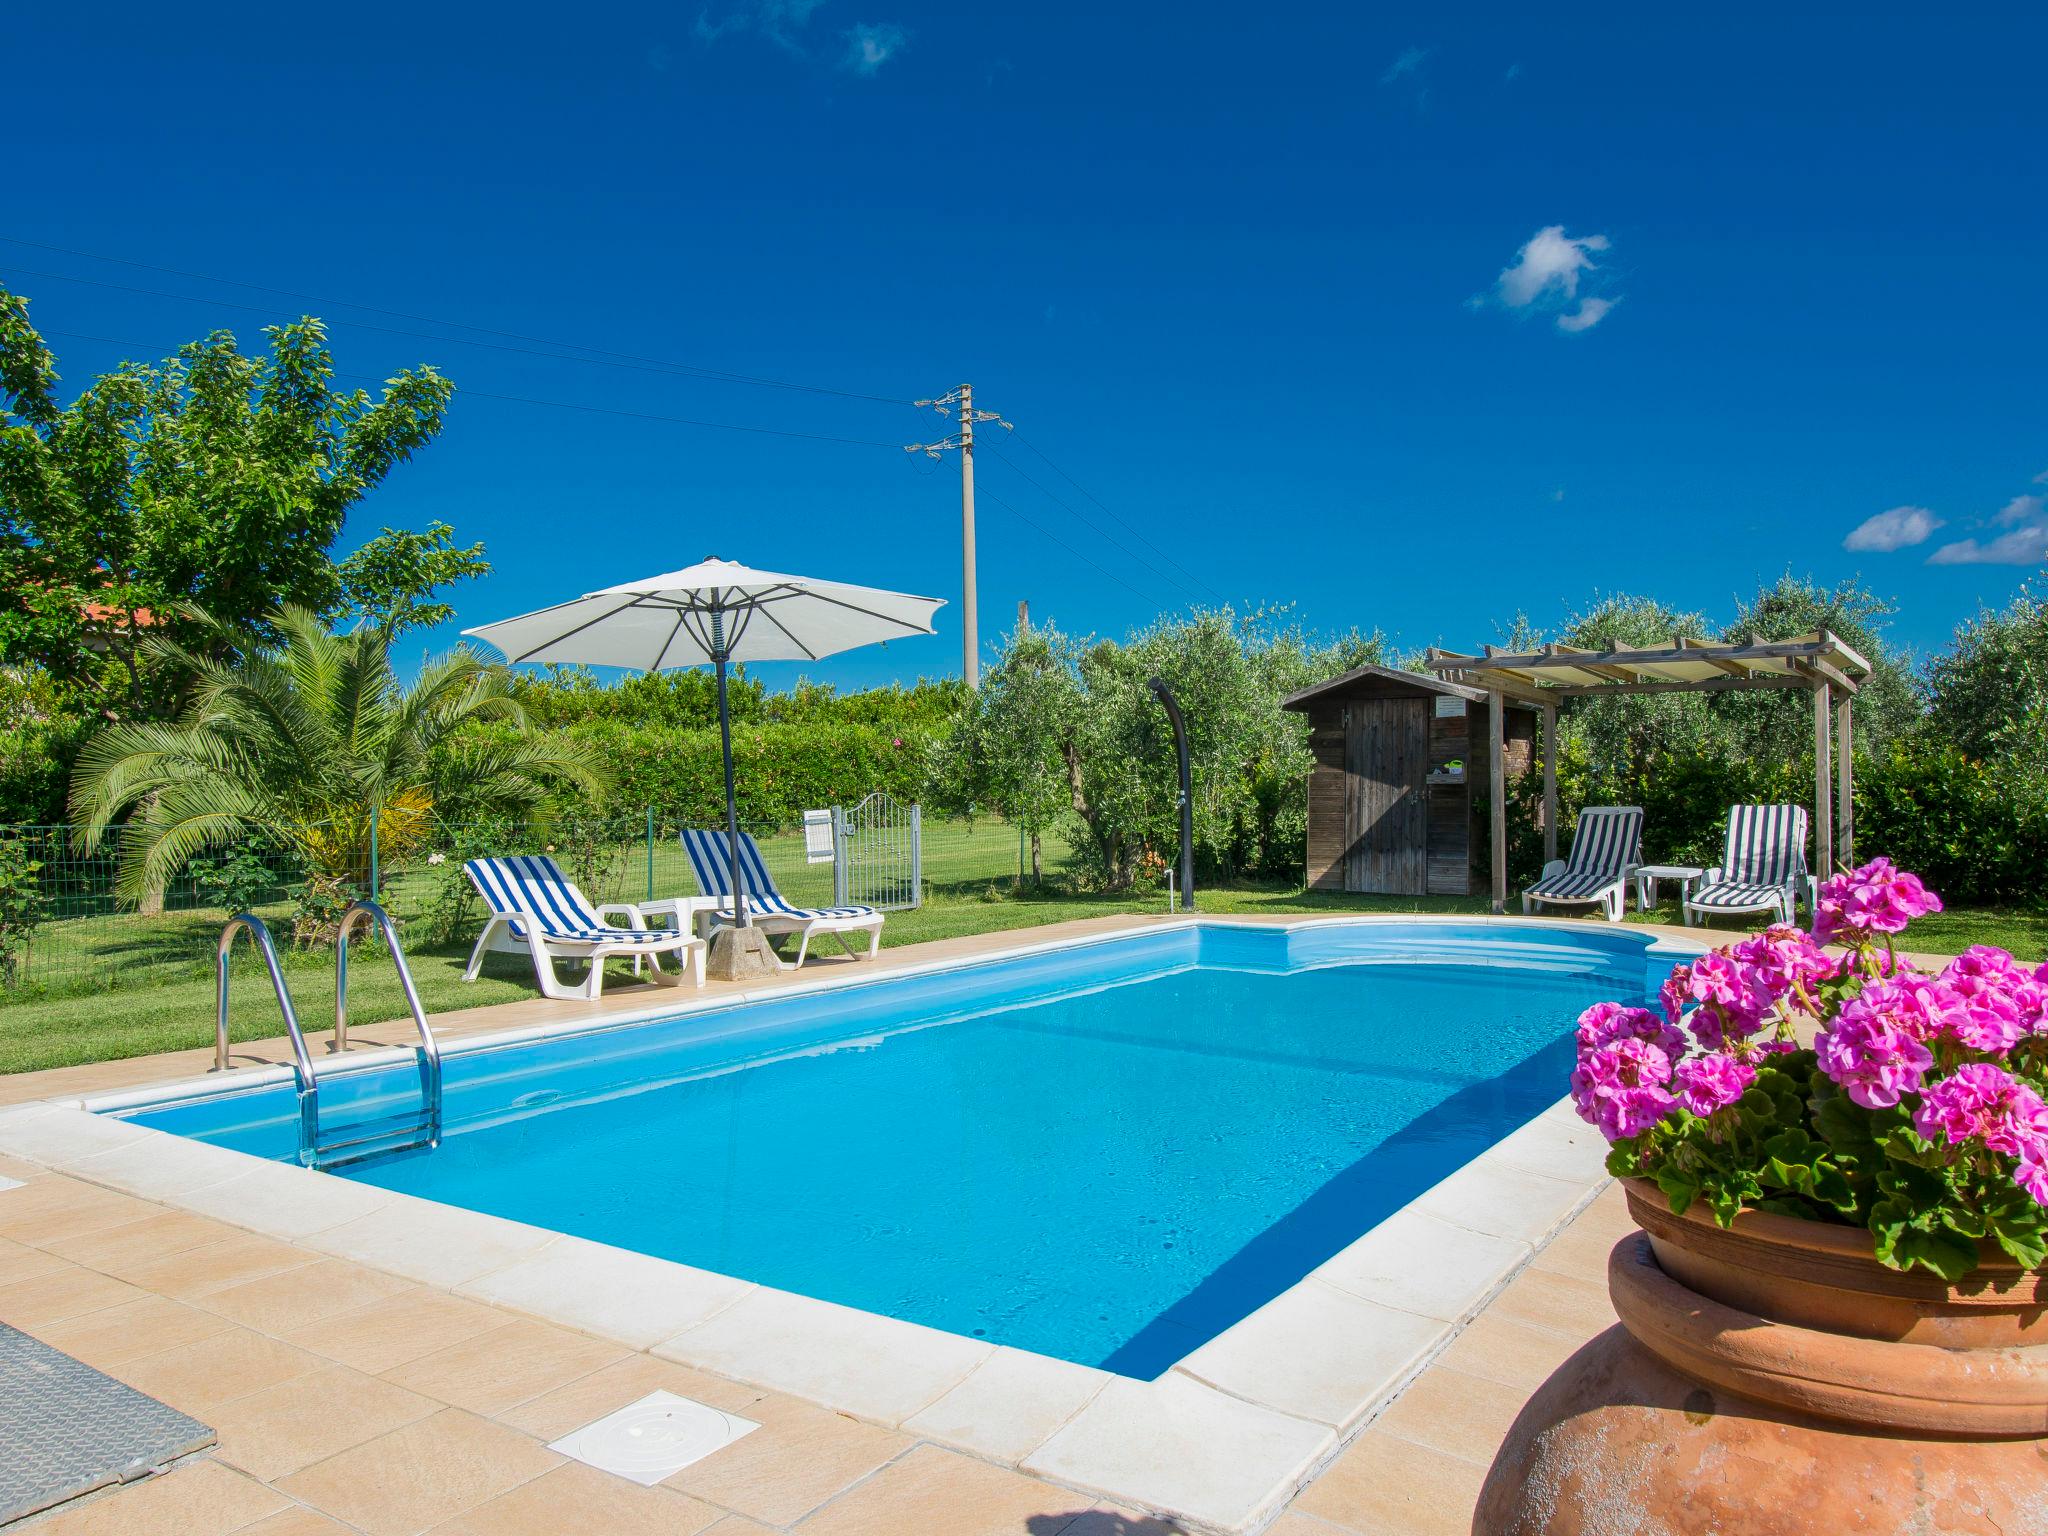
[[391, 581], [1009, 748], [211, 478], [301, 744], [1987, 695], [1766, 724]]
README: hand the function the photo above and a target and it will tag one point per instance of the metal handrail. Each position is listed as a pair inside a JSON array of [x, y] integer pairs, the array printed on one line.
[[302, 1062], [357, 914]]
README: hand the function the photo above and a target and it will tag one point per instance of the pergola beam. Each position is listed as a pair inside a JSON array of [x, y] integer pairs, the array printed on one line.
[[1536, 661]]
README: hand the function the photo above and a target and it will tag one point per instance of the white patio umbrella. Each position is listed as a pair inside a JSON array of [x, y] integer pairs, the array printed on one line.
[[716, 612]]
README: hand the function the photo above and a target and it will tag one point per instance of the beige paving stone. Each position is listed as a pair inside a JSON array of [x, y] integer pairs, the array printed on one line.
[[197, 1498], [878, 1367], [739, 1525], [20, 1168], [215, 1266], [57, 1294], [1383, 1485], [395, 1330], [309, 1418], [588, 1399], [1105, 1519], [165, 1167], [608, 1291], [491, 1372], [1423, 1264], [1156, 1442], [1446, 1410], [1317, 1353], [18, 1261], [119, 1251], [1502, 1201], [296, 1521], [1544, 1299], [197, 1378], [432, 1243], [1294, 1523], [49, 1209], [293, 1298], [800, 1457], [932, 1489], [577, 1498], [1580, 1250], [421, 1475], [58, 1134], [287, 1202], [1009, 1404], [1513, 1354], [108, 1339]]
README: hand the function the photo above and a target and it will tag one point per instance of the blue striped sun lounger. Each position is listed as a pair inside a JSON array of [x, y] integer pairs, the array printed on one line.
[[535, 909], [710, 857], [1763, 866], [1606, 848]]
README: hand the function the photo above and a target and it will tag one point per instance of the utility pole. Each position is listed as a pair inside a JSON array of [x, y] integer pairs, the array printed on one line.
[[962, 399]]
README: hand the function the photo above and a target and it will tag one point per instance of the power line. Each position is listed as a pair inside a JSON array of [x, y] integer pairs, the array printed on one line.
[[1081, 555], [1089, 523], [560, 405], [604, 358], [1164, 553]]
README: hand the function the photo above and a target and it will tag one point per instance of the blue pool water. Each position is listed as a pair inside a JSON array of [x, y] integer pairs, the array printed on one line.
[[1107, 1153]]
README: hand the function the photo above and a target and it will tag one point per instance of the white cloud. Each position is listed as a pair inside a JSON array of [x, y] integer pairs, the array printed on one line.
[[870, 45], [2022, 509], [2041, 478], [1408, 62], [1544, 278], [780, 21], [2022, 546], [1900, 528], [1591, 312]]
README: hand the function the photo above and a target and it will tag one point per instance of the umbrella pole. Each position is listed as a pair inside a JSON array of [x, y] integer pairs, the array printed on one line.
[[732, 814]]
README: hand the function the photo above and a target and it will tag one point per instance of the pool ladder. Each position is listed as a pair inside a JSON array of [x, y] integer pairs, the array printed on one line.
[[320, 1148]]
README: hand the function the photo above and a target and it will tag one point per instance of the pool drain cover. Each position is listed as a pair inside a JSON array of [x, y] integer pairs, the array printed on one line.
[[66, 1429], [653, 1438]]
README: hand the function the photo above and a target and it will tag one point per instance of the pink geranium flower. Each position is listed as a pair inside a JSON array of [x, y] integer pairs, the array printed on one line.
[[1714, 1081], [1878, 898], [1982, 1105], [1733, 1001], [1604, 1023], [1875, 1058], [1620, 1087], [1783, 961]]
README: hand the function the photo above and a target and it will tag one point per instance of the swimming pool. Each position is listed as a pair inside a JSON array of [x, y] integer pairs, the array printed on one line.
[[1106, 1152]]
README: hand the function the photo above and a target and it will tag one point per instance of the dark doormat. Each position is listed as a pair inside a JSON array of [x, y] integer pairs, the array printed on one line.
[[66, 1429]]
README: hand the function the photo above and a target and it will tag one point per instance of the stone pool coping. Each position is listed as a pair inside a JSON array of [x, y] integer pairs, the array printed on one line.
[[1221, 1440]]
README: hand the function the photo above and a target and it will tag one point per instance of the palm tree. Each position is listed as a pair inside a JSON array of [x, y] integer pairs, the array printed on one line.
[[302, 744]]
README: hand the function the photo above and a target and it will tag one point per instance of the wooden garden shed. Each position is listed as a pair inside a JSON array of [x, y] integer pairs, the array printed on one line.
[[1391, 802]]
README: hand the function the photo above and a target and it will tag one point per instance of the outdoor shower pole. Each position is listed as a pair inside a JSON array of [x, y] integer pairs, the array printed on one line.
[[1163, 691]]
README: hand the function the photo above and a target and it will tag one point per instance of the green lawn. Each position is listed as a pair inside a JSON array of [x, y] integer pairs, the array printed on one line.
[[51, 1031]]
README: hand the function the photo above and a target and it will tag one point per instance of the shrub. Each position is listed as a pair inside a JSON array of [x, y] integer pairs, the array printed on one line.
[[21, 904], [1978, 831], [235, 881]]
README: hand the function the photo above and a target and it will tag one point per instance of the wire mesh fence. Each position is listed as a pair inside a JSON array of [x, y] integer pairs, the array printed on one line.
[[65, 926]]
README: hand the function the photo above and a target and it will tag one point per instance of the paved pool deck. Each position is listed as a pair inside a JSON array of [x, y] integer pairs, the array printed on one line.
[[349, 1397]]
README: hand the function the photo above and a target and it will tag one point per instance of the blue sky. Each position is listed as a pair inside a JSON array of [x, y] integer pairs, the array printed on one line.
[[1410, 317]]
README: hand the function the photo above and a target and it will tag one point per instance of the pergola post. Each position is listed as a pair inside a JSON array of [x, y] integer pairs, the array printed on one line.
[[1823, 784], [1549, 782], [1497, 809], [1845, 772]]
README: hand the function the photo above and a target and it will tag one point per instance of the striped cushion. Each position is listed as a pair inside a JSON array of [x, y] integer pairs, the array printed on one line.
[[533, 885], [1739, 896], [710, 858], [1609, 839], [1766, 844]]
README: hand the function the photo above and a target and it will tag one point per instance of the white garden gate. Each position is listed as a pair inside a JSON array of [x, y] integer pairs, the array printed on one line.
[[878, 854]]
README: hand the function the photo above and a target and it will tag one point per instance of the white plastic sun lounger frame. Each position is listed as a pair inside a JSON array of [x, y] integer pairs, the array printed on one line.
[[767, 908], [537, 910], [1606, 848]]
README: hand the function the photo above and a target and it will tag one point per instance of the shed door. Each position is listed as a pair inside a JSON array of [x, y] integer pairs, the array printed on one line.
[[1386, 755]]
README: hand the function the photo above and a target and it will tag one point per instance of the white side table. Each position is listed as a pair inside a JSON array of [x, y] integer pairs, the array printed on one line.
[[684, 912], [1647, 876]]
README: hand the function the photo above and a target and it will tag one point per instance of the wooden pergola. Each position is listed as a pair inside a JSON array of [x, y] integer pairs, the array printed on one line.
[[1819, 663]]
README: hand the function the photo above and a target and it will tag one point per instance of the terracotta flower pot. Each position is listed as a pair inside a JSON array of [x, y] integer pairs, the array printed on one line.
[[1774, 1377]]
